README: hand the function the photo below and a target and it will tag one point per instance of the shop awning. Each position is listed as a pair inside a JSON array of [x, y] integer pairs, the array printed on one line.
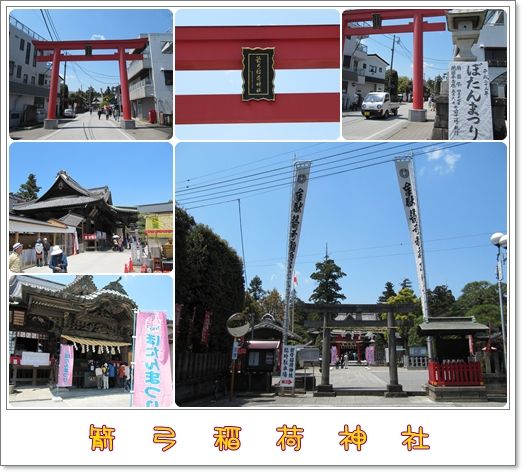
[[94, 342]]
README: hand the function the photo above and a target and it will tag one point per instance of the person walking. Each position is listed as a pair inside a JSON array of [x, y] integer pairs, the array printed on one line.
[[105, 370], [117, 114], [38, 249], [112, 375], [99, 376], [15, 259], [99, 113], [128, 383], [121, 375], [46, 249], [58, 262]]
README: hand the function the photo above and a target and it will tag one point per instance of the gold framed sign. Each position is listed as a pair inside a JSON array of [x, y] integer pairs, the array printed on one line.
[[258, 74]]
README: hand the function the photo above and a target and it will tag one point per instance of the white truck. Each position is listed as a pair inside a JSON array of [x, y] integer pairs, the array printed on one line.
[[379, 104]]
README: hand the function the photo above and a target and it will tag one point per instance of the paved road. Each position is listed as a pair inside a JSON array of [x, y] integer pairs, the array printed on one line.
[[87, 127], [91, 262], [356, 127]]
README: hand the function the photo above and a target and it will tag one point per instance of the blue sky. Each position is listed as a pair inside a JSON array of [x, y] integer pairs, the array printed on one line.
[[358, 214], [150, 292], [136, 173], [96, 23], [438, 49]]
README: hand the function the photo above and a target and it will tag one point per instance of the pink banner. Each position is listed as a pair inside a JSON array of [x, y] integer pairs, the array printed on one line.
[[206, 328], [65, 369], [152, 369]]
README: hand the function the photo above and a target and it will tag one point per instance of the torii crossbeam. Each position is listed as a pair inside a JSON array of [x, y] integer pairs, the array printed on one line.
[[120, 45]]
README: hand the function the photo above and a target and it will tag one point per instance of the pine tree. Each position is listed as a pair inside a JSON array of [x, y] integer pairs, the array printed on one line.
[[388, 292], [29, 190], [406, 283], [327, 274], [256, 288]]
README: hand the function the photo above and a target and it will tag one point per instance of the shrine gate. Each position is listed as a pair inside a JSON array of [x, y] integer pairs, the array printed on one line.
[[58, 47], [418, 26]]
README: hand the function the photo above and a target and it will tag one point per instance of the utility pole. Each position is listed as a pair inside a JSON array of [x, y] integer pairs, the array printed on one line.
[[391, 66], [63, 88]]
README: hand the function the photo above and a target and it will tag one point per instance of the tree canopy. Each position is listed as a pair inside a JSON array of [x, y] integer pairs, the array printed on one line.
[[326, 275], [29, 190]]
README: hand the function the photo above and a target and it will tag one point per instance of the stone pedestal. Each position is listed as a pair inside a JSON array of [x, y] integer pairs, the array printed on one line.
[[325, 391], [394, 391], [440, 126], [455, 394], [417, 115], [127, 124], [50, 123]]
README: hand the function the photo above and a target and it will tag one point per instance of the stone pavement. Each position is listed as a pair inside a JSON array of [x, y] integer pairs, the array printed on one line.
[[44, 397], [91, 262], [356, 377], [87, 127]]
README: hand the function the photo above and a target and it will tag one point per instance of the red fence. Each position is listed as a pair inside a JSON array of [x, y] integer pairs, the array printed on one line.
[[454, 373]]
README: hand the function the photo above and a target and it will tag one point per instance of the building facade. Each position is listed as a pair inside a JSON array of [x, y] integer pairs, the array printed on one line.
[[151, 79], [46, 314], [29, 81]]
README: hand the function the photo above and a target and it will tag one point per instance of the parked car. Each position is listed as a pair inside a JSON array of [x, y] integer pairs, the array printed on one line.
[[69, 113], [379, 104]]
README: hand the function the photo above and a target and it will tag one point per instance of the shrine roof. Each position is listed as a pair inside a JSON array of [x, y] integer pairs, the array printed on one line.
[[451, 325]]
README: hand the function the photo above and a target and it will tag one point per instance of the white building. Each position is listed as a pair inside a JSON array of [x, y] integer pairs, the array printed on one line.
[[492, 47], [362, 72], [151, 79], [29, 81]]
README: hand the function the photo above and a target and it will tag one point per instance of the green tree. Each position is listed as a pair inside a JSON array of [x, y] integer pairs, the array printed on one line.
[[438, 81], [476, 294], [407, 322], [209, 277], [403, 84], [29, 190], [388, 292], [326, 275], [273, 303], [406, 283], [440, 301], [488, 315], [255, 288]]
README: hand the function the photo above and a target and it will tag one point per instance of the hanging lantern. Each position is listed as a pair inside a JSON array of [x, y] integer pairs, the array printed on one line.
[[83, 348], [100, 350], [75, 346], [118, 347], [113, 351]]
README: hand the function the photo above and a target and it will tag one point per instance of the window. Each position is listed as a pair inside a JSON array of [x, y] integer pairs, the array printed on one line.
[[34, 57], [41, 79], [11, 67], [373, 69], [364, 65], [380, 69], [168, 77], [25, 79], [166, 47], [33, 79], [18, 72], [496, 57], [18, 318], [28, 53], [22, 44]]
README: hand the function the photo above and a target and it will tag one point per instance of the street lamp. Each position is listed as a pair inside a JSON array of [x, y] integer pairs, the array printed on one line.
[[500, 240]]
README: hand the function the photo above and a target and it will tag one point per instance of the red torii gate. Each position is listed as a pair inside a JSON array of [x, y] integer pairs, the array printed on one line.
[[417, 27], [88, 46]]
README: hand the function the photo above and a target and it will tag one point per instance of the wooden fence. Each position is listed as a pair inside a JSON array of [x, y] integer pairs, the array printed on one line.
[[452, 373]]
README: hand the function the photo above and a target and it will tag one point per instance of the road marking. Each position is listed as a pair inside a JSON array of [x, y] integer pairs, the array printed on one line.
[[386, 130]]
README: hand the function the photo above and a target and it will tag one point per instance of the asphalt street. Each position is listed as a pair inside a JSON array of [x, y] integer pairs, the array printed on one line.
[[87, 127], [357, 127]]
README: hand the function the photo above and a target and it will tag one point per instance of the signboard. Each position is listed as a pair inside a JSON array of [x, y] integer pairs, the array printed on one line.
[[258, 74], [288, 366], [408, 190], [89, 237], [152, 371], [301, 177], [35, 359], [206, 328], [469, 101], [159, 225], [235, 346], [65, 370]]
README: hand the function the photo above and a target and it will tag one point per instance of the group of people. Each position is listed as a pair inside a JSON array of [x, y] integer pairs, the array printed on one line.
[[109, 375], [53, 256], [109, 111]]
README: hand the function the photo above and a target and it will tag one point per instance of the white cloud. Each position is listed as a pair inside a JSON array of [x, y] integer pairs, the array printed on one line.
[[97, 36], [445, 161]]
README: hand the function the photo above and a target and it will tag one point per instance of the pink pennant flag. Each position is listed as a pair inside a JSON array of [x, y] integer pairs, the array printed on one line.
[[65, 370]]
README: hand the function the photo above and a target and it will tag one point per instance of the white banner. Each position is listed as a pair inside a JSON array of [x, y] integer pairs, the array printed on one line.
[[288, 366], [36, 359], [301, 177], [406, 176], [469, 101]]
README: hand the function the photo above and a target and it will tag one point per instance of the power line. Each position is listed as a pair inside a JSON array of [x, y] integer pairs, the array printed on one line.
[[46, 25], [285, 180]]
